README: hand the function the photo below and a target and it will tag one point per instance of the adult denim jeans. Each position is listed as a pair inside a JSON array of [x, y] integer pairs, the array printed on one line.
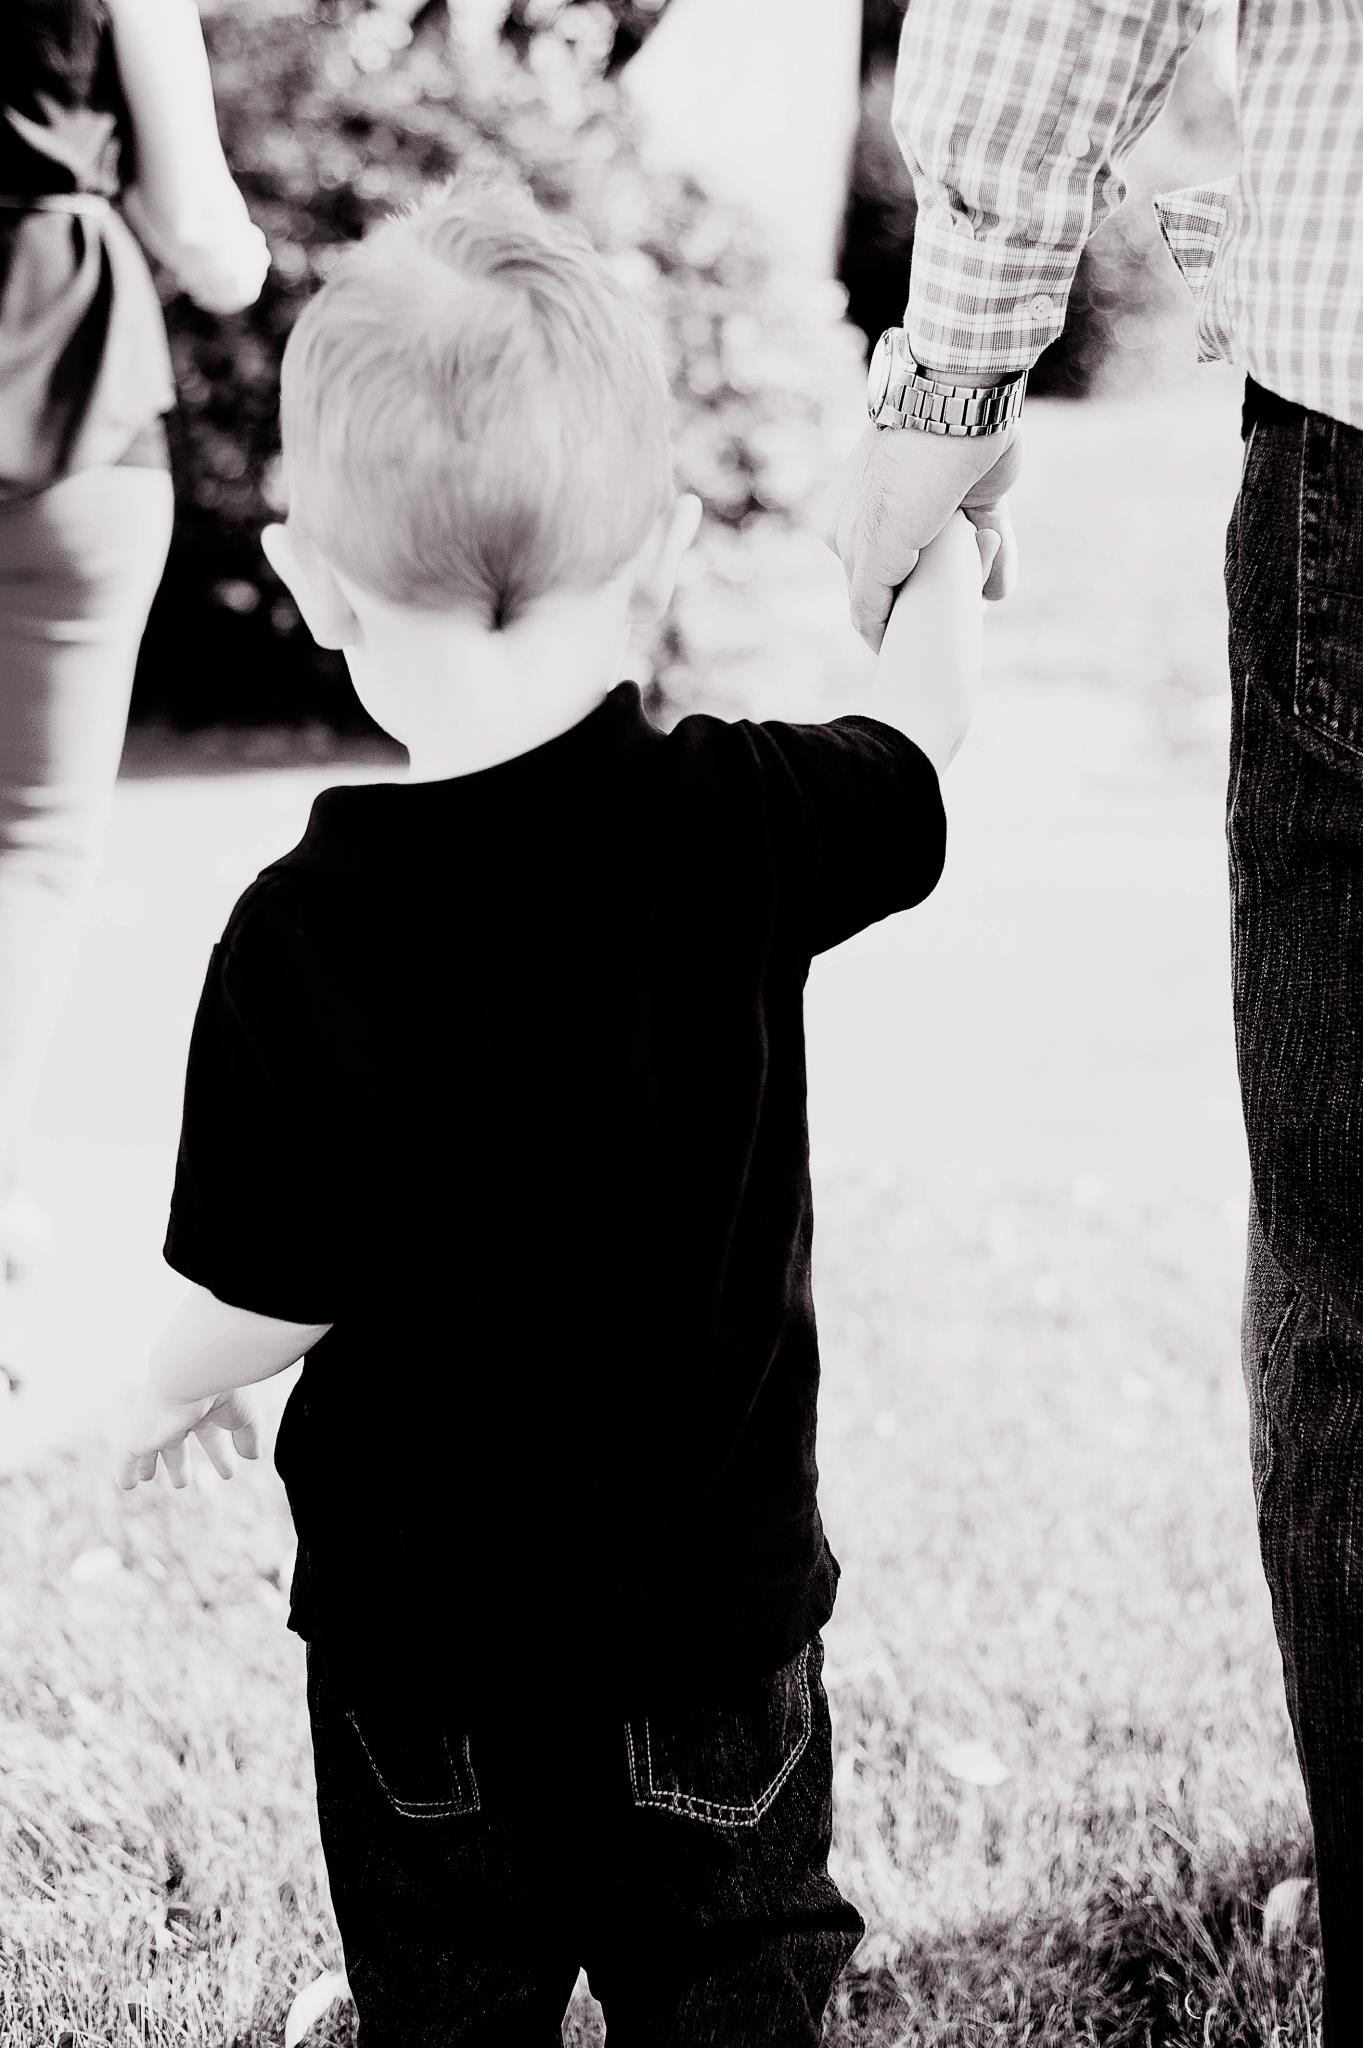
[[1294, 574], [680, 1858]]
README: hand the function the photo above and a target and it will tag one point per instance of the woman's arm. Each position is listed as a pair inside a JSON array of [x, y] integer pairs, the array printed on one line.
[[183, 202]]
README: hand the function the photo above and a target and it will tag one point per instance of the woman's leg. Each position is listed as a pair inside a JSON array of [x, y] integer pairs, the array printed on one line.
[[79, 565]]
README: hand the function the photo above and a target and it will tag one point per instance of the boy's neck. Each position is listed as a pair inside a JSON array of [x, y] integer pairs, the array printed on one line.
[[461, 697]]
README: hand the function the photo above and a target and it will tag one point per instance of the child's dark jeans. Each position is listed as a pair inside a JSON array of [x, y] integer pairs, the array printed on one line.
[[680, 1859]]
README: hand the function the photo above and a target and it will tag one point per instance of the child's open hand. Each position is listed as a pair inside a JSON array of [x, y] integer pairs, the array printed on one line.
[[159, 1428]]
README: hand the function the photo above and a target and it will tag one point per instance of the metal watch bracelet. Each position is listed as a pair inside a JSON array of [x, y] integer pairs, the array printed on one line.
[[900, 394]]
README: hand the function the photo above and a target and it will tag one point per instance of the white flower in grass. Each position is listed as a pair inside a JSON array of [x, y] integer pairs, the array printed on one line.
[[310, 2004], [974, 1763], [1283, 1910]]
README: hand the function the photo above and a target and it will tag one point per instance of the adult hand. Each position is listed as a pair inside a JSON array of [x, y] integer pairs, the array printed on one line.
[[896, 492]]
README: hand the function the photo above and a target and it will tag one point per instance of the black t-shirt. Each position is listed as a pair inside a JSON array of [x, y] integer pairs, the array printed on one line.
[[504, 1078]]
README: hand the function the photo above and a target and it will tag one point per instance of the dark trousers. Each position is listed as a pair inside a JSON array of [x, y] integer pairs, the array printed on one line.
[[1294, 573], [680, 1859]]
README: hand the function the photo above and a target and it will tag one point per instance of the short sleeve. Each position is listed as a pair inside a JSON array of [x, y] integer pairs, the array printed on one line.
[[250, 1216], [857, 809]]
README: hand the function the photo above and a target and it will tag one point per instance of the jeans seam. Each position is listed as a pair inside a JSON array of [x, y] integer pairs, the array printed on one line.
[[722, 1814], [1297, 692], [1271, 1349]]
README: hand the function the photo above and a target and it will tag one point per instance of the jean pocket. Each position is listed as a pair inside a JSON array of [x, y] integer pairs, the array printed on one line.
[[423, 1772], [725, 1765], [1328, 694]]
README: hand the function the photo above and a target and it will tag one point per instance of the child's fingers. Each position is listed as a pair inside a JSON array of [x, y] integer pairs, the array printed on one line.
[[134, 1468], [247, 1440], [1001, 573], [215, 1450], [175, 1458], [989, 544]]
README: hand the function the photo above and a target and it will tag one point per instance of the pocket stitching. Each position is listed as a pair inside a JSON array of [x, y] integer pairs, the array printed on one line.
[[426, 1809], [724, 1815], [1308, 682]]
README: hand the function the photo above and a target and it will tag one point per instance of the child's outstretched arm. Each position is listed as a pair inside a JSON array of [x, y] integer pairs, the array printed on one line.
[[207, 1353], [929, 661]]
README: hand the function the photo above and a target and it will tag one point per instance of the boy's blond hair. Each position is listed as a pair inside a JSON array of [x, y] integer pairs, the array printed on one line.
[[474, 412]]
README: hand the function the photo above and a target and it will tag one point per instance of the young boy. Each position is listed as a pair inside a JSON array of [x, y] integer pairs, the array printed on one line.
[[495, 1111]]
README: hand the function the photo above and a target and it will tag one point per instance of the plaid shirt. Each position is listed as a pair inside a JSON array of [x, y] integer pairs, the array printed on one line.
[[1015, 117]]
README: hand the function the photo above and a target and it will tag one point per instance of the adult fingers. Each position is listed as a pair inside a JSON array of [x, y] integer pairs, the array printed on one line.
[[871, 600], [870, 604], [986, 503], [995, 482]]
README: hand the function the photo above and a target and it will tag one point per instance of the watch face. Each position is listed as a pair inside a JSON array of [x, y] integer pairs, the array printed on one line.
[[878, 377]]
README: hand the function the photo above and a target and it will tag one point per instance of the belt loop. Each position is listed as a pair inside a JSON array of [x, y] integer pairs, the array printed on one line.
[[1263, 408], [1249, 411]]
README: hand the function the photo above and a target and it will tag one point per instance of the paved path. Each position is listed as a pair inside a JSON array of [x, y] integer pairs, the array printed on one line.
[[1057, 1012]]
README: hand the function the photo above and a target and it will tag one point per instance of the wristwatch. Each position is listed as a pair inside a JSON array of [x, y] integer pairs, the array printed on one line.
[[900, 394]]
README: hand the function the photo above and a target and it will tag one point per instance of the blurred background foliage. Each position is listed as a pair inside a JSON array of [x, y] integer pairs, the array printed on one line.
[[334, 112]]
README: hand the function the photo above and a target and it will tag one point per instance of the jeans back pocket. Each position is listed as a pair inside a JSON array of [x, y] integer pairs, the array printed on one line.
[[1295, 577], [725, 1764], [423, 1771]]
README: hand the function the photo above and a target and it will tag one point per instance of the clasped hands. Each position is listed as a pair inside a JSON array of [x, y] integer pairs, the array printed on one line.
[[895, 493]]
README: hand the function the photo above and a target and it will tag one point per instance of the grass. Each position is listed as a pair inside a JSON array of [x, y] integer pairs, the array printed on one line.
[[1034, 1474], [1049, 1543]]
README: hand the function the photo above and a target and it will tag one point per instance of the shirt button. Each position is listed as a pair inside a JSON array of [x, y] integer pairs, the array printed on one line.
[[1078, 143], [1041, 307]]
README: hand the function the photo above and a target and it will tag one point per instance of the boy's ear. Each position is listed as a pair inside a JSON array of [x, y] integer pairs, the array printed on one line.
[[311, 581], [655, 575]]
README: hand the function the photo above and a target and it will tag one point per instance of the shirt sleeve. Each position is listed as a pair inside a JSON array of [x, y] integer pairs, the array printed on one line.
[[250, 1217], [857, 811], [1015, 118]]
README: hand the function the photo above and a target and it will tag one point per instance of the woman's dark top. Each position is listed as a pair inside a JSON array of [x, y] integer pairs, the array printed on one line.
[[84, 363]]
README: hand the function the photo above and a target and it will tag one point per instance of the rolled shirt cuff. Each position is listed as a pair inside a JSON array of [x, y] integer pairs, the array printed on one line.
[[981, 310]]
